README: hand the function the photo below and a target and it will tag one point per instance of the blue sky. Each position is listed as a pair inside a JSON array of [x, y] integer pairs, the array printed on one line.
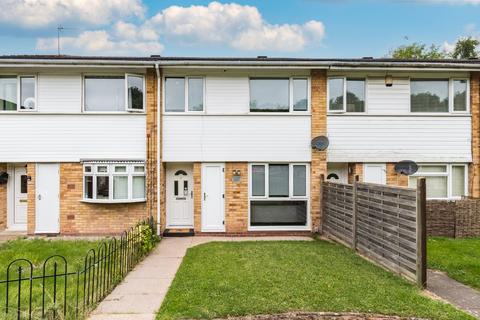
[[303, 28]]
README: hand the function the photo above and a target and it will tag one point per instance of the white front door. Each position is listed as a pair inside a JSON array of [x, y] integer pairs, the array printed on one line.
[[179, 195], [20, 195], [213, 202], [375, 173], [47, 198]]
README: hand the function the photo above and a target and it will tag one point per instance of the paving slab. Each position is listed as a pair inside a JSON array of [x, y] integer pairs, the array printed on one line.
[[456, 293], [141, 293]]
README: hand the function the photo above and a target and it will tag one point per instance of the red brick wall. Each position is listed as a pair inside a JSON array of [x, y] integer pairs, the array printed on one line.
[[236, 198], [474, 167]]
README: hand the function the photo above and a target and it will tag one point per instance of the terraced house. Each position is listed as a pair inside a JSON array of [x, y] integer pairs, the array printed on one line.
[[88, 145]]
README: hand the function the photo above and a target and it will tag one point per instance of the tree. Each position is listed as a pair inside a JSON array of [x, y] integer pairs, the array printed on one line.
[[465, 48], [417, 50]]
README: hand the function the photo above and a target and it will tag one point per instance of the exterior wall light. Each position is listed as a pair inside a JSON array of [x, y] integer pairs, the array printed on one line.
[[388, 80]]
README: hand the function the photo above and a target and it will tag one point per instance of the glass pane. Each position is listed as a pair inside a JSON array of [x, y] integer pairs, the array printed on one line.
[[175, 188], [355, 95], [195, 94], [436, 186], [139, 187], [299, 180], [269, 95], [88, 185], [278, 180], [120, 187], [139, 169], [258, 180], [104, 93], [458, 181], [120, 169], [335, 94], [175, 94], [278, 213], [135, 92], [102, 169], [27, 93], [437, 168], [102, 187], [88, 169], [8, 93], [429, 95], [23, 183], [300, 94], [460, 95]]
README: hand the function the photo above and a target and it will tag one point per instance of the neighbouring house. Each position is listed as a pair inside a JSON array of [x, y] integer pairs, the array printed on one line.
[[89, 145]]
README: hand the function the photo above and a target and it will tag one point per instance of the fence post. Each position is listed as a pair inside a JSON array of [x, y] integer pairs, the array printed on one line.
[[354, 213], [322, 218], [421, 233]]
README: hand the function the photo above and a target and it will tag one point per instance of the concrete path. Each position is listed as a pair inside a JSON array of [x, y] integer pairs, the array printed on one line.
[[141, 294], [458, 294], [7, 235]]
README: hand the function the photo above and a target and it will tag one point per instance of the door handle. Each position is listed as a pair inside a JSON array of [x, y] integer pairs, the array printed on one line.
[[39, 197], [191, 194], [204, 196]]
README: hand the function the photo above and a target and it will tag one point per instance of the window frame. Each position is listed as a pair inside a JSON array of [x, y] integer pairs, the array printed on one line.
[[291, 196], [450, 95], [111, 174], [185, 107], [19, 91], [344, 109], [448, 174], [290, 95], [125, 86]]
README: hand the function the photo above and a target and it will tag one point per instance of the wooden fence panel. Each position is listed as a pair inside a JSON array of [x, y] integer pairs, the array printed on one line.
[[384, 223]]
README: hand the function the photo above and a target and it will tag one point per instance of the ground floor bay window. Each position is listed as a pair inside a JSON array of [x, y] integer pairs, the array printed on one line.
[[279, 196], [443, 181]]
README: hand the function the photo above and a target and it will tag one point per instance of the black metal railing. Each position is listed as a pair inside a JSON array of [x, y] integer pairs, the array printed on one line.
[[55, 292]]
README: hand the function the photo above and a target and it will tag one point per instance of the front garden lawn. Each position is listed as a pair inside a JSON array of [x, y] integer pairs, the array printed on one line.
[[223, 279], [459, 258]]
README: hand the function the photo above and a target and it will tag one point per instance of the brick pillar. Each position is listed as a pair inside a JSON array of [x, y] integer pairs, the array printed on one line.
[[197, 196], [31, 199], [394, 178], [319, 127], [474, 167], [3, 199], [236, 198], [355, 169]]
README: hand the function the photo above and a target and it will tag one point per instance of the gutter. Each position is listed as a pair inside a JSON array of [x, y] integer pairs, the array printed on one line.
[[158, 148]]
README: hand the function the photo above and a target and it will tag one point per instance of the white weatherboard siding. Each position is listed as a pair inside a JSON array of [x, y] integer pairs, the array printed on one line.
[[396, 138], [388, 100], [69, 138], [227, 95], [59, 93], [236, 138]]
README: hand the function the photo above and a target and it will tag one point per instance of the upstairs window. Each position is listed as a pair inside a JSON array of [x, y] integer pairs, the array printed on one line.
[[184, 94], [346, 94], [18, 93], [438, 95], [114, 93], [278, 94]]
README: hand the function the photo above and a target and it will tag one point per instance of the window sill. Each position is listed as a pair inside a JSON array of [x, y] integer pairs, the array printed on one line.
[[279, 228], [112, 201]]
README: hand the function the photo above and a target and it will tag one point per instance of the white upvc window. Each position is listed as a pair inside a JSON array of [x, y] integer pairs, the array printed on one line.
[[289, 94], [443, 181], [18, 93], [279, 195], [114, 182], [439, 95], [346, 94], [114, 93], [184, 94]]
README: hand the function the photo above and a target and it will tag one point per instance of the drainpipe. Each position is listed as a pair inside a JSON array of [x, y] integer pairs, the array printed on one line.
[[158, 148]]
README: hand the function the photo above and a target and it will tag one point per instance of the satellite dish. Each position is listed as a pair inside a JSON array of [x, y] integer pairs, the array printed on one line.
[[406, 167], [3, 177], [320, 143]]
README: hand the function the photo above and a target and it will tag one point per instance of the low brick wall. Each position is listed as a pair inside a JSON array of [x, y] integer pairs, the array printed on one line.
[[455, 219]]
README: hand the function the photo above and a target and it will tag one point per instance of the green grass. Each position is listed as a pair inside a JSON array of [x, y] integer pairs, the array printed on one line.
[[37, 251], [459, 258], [231, 279]]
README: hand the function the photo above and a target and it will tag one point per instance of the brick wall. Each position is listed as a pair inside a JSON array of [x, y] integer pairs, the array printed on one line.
[[474, 167], [394, 178], [319, 158], [31, 198], [460, 218], [236, 198], [3, 200], [197, 196], [355, 169]]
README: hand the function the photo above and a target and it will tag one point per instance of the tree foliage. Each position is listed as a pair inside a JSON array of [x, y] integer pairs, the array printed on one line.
[[465, 48], [417, 50]]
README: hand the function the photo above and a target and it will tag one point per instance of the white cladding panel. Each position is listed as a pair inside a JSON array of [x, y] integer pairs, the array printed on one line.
[[236, 138], [395, 138], [388, 100], [59, 93], [227, 95], [69, 138]]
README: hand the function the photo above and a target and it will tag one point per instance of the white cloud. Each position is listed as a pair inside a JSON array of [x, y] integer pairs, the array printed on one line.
[[448, 47], [40, 13], [238, 26]]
